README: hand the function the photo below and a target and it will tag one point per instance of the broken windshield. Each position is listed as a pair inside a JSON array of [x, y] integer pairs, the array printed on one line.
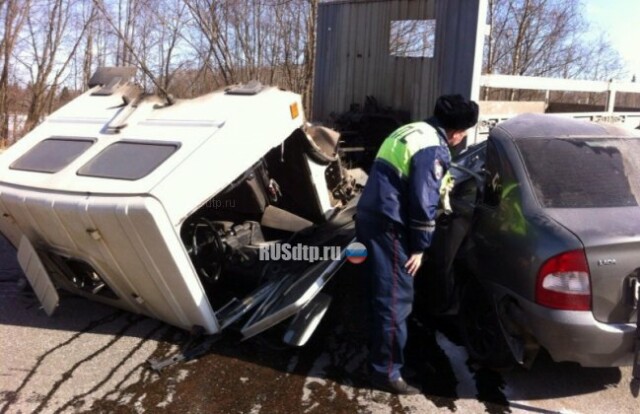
[[583, 172]]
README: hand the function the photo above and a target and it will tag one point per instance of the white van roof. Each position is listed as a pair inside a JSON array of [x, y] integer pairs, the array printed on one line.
[[106, 143]]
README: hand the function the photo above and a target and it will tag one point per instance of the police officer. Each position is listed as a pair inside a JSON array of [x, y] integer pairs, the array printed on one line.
[[395, 221]]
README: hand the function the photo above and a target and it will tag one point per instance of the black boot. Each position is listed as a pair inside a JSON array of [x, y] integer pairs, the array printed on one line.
[[398, 386]]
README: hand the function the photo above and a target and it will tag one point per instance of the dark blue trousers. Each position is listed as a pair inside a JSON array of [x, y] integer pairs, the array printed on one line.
[[390, 291]]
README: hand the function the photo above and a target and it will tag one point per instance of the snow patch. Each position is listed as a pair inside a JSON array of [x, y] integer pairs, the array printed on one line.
[[138, 404]]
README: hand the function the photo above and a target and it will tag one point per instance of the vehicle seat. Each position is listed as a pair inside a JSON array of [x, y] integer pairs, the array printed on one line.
[[322, 144]]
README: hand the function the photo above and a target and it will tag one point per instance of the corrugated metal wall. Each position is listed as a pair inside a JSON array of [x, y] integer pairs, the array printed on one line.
[[353, 59]]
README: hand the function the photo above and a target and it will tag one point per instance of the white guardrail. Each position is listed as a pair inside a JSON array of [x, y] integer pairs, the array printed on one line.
[[626, 119]]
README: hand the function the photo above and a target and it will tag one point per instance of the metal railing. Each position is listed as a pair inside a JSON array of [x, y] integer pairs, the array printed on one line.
[[628, 119], [557, 84]]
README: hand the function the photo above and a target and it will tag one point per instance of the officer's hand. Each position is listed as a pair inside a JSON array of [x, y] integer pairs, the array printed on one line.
[[413, 264]]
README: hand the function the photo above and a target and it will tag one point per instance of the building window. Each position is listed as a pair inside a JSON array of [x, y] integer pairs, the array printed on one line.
[[412, 38]]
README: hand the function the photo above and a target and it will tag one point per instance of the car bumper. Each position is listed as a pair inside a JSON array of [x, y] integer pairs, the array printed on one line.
[[578, 337]]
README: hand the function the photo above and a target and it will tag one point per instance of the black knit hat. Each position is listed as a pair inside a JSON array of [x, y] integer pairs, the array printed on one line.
[[455, 112]]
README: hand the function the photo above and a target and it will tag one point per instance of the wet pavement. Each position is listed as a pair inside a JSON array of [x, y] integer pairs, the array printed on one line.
[[92, 358]]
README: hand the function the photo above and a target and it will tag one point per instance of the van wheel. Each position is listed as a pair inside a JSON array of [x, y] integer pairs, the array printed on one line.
[[480, 328]]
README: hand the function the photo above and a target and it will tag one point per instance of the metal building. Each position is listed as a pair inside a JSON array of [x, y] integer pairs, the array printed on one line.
[[404, 53]]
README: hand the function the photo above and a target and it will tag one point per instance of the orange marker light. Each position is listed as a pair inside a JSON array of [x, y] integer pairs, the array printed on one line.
[[294, 110]]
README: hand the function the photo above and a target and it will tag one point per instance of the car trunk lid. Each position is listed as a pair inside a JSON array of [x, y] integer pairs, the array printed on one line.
[[590, 185], [611, 238]]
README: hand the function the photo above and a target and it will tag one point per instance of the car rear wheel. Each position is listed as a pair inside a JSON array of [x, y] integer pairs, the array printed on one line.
[[480, 328]]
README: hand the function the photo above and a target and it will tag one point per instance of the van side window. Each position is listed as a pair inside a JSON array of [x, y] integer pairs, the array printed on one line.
[[52, 154], [128, 159]]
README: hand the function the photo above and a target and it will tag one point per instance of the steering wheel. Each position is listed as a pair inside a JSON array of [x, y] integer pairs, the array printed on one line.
[[207, 250]]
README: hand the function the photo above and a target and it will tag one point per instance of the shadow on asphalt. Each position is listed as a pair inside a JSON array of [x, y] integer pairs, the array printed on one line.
[[548, 379], [74, 314], [9, 267], [342, 338]]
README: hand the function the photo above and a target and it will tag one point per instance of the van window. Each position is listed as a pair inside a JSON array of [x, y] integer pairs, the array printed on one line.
[[128, 160], [52, 154]]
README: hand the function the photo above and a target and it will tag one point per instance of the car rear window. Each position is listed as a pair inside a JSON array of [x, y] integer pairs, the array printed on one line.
[[583, 172], [128, 160], [52, 154]]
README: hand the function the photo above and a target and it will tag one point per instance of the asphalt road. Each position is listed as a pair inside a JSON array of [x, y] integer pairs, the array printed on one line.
[[89, 357]]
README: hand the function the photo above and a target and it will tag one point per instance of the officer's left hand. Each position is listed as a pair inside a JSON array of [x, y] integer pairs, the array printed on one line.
[[413, 264]]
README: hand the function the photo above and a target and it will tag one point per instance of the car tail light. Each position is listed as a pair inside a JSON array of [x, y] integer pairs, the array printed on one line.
[[563, 282]]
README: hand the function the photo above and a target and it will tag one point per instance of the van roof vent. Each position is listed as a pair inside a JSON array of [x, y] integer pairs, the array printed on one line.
[[110, 78], [250, 88]]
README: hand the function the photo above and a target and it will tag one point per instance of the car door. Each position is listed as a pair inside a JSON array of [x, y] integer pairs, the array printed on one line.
[[438, 278], [499, 227]]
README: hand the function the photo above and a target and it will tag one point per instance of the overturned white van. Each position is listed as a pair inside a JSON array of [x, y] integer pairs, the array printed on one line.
[[162, 208]]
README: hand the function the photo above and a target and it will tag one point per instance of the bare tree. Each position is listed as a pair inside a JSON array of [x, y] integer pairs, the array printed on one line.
[[182, 47], [129, 54], [269, 40], [310, 56], [13, 15], [169, 29], [53, 42], [189, 47], [210, 17], [546, 38], [412, 38]]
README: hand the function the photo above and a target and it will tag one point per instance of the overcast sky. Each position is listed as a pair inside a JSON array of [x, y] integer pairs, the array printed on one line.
[[620, 19]]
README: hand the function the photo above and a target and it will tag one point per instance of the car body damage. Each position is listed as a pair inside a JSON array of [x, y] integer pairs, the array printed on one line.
[[542, 247], [163, 208]]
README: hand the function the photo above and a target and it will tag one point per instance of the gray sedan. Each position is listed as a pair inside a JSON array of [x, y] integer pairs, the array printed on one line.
[[542, 249]]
